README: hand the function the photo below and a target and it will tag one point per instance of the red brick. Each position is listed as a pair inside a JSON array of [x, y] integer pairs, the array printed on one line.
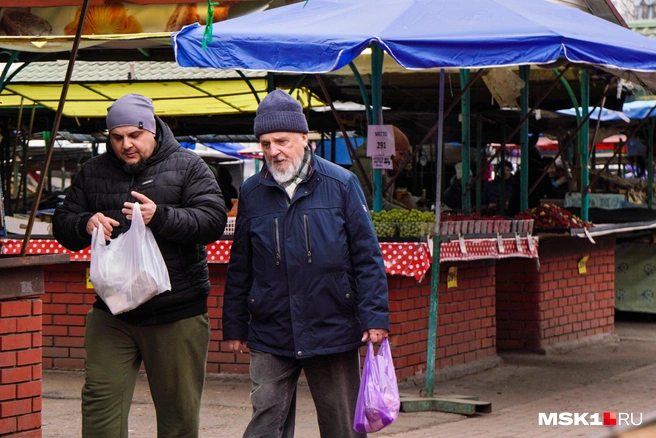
[[68, 320], [73, 364], [29, 324], [29, 389], [28, 357], [7, 359], [61, 341], [50, 287], [15, 308], [37, 372], [7, 426], [15, 342], [15, 408], [30, 421], [7, 392], [37, 404], [14, 375], [7, 325], [34, 433]]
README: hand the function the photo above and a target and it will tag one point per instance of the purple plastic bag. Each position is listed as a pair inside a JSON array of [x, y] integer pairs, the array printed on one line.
[[378, 399]]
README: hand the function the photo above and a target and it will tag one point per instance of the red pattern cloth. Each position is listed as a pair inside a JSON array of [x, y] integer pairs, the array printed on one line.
[[409, 259]]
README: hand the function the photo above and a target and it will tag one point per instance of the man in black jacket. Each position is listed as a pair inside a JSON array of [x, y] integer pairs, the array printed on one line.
[[182, 205]]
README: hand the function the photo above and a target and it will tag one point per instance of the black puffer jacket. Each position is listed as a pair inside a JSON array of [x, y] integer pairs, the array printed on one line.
[[190, 214]]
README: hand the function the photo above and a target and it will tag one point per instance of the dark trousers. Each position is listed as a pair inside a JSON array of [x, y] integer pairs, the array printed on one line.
[[333, 380], [174, 356]]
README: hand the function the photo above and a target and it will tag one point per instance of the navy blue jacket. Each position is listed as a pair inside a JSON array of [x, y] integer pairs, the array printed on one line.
[[306, 275]]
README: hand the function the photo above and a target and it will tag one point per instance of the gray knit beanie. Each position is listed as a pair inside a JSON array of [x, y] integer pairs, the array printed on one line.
[[132, 110], [279, 112]]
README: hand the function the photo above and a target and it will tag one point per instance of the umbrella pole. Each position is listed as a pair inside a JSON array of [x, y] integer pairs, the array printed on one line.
[[435, 267], [465, 106], [583, 143], [377, 117], [525, 74], [450, 403], [650, 166]]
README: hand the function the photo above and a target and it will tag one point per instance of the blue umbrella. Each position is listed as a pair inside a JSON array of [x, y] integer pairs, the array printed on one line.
[[324, 35], [635, 110]]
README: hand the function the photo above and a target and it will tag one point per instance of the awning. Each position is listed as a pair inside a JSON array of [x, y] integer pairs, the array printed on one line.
[[175, 91]]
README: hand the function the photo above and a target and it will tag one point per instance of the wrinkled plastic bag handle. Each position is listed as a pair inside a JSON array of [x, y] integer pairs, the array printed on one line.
[[378, 402]]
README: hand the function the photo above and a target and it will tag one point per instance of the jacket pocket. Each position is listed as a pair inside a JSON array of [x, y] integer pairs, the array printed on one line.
[[308, 248]]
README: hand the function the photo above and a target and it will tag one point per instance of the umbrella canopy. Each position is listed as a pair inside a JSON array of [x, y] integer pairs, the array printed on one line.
[[324, 35], [636, 110]]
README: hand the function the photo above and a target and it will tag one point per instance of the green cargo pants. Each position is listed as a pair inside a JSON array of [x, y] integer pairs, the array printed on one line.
[[174, 356]]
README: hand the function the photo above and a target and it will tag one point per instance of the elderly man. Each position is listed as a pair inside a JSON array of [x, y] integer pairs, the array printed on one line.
[[182, 205], [306, 283]]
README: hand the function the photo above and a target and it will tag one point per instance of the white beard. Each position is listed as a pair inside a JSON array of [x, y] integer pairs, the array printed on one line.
[[284, 176]]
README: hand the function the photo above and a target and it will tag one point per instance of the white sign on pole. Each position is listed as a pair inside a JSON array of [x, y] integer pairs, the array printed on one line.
[[380, 145], [381, 162]]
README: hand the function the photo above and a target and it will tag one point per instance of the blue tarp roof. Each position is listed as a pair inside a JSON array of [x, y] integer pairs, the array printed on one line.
[[325, 35]]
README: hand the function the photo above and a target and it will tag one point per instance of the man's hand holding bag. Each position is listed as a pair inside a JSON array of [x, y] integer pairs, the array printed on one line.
[[129, 270]]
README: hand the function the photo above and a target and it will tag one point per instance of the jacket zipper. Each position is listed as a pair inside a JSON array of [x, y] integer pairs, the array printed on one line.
[[277, 238], [307, 239]]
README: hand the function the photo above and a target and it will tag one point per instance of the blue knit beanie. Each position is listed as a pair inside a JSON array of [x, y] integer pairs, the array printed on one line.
[[279, 112], [132, 110]]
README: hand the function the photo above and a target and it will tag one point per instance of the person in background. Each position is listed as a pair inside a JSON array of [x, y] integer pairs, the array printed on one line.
[[402, 150], [306, 284], [182, 205], [535, 169], [225, 182], [224, 179], [556, 175], [491, 194], [452, 196]]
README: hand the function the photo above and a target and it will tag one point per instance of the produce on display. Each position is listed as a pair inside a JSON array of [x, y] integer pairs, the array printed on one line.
[[553, 217], [417, 223]]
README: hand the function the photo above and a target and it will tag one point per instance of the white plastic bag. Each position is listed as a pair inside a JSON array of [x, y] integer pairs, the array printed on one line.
[[130, 270]]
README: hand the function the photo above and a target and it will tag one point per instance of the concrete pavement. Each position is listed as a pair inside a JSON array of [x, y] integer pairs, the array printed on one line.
[[616, 375]]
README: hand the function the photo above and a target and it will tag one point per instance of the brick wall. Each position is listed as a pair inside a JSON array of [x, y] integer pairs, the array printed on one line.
[[20, 368], [466, 325], [555, 304], [466, 318]]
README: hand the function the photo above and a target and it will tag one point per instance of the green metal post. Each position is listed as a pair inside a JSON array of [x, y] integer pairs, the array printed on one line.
[[363, 90], [435, 267], [377, 116], [583, 143], [524, 74], [650, 165], [465, 105]]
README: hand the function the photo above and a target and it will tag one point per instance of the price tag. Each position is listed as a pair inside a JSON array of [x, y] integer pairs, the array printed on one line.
[[500, 243], [380, 140], [88, 280], [518, 242], [461, 242], [381, 162], [582, 265], [452, 277], [588, 235], [531, 244]]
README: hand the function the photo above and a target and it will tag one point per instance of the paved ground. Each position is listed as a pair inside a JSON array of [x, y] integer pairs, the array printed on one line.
[[618, 375]]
